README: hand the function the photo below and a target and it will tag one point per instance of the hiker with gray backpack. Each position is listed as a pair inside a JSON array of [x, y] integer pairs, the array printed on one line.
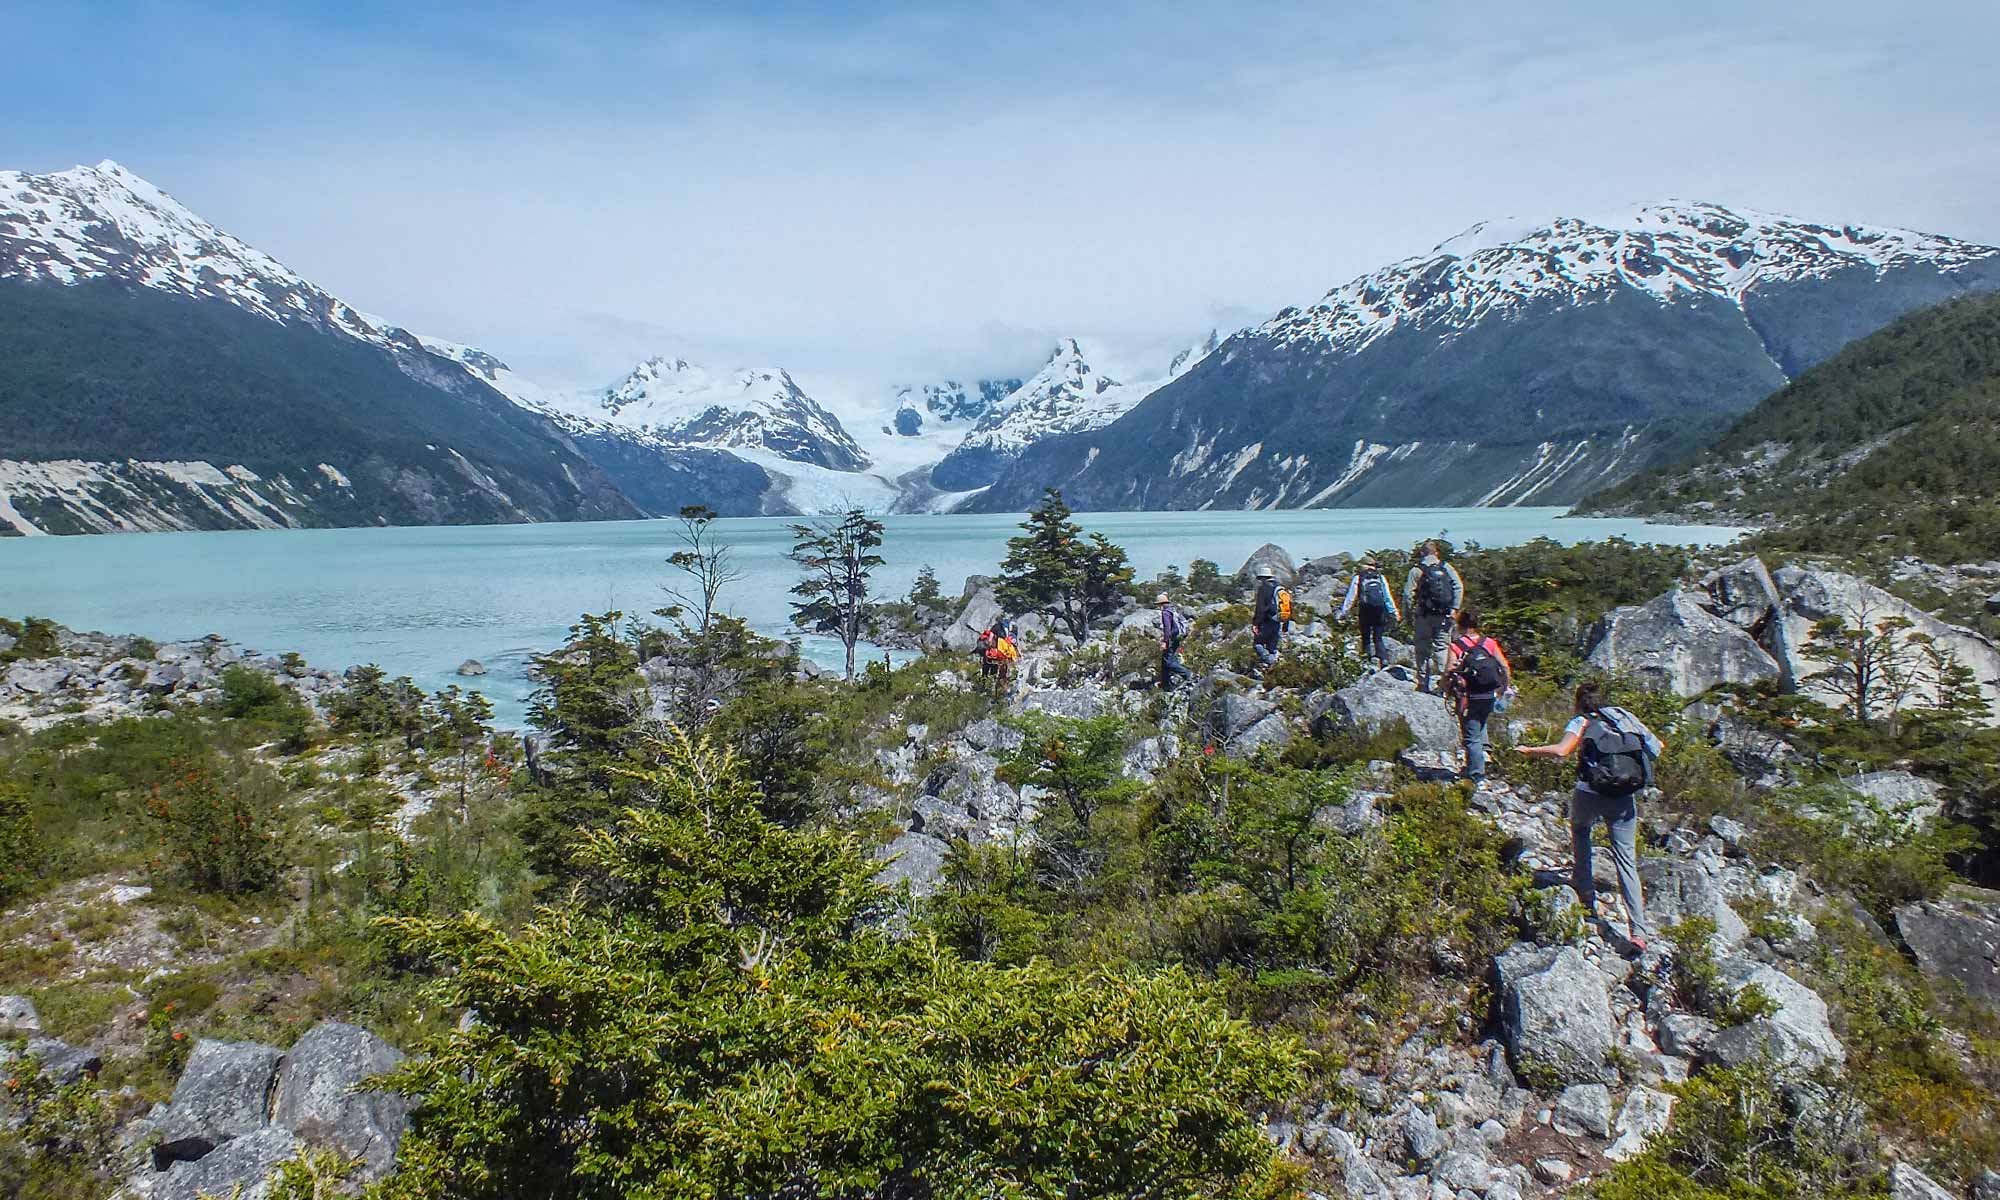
[[1174, 629], [1433, 593], [1616, 764]]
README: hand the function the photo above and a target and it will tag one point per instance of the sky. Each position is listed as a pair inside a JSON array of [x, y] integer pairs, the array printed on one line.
[[899, 191]]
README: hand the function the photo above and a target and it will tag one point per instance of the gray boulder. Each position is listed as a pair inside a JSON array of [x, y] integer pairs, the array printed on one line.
[[472, 666], [1915, 800], [245, 1162], [38, 678], [1584, 1108], [1379, 700], [1273, 732], [1797, 1037], [974, 615], [1645, 1116], [1672, 643], [916, 859], [18, 1015], [59, 1060], [1422, 1138], [990, 735], [1742, 594], [1274, 557], [1359, 1178], [1356, 815], [1957, 938], [1677, 889], [1556, 1016], [322, 1096], [1809, 596], [224, 1092], [1908, 1183]]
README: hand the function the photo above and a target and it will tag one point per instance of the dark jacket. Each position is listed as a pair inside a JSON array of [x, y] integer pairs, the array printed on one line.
[[1265, 610]]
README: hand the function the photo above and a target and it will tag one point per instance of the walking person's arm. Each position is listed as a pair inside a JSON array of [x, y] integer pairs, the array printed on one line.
[[1457, 589], [1353, 589], [1560, 749]]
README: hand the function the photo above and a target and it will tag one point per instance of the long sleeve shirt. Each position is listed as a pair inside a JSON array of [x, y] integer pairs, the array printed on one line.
[[1416, 575], [1265, 610], [1354, 594]]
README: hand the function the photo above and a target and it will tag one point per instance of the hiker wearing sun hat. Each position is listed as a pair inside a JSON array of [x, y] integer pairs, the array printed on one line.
[[1267, 618], [1374, 601], [1174, 629]]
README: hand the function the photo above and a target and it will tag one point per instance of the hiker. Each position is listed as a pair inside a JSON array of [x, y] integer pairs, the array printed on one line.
[[1174, 628], [997, 655], [1370, 596], [1616, 765], [1268, 614], [1433, 594], [1477, 677]]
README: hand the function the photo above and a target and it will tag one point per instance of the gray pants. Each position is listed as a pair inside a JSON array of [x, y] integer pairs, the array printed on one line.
[[1620, 815], [1433, 640]]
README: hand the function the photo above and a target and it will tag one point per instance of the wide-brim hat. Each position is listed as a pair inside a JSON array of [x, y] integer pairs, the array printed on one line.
[[1266, 573], [1161, 599]]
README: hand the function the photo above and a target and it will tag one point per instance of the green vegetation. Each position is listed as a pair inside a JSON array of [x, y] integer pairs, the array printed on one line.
[[1052, 568], [837, 557], [1888, 447]]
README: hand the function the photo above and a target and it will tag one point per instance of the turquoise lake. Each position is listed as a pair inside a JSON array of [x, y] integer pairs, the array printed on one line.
[[419, 601]]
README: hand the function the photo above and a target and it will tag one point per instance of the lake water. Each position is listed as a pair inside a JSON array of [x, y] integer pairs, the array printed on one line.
[[420, 601]]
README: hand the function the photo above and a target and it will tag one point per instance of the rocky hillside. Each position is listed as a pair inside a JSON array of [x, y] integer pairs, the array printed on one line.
[[1516, 363], [1366, 977], [160, 374], [1893, 440]]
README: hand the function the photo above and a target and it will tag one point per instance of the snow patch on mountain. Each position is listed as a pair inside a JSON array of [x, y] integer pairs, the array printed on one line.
[[1668, 251], [758, 408]]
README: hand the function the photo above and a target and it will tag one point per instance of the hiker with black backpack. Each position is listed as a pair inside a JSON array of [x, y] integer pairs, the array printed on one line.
[[1478, 678], [1618, 753], [1374, 602], [1268, 613], [1433, 594], [1174, 627]]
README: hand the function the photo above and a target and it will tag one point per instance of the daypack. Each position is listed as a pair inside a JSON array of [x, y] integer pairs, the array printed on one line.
[[1173, 627], [1374, 591], [1284, 606], [1434, 591], [1003, 650], [1614, 762], [1479, 671], [987, 640]]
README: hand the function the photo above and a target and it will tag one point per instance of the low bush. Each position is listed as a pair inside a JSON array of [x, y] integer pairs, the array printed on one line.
[[220, 824]]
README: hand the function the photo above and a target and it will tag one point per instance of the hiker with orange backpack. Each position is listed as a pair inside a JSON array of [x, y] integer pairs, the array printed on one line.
[[997, 655], [1269, 613]]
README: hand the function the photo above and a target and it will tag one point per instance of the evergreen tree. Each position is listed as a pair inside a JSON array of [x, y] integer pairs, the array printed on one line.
[[1052, 568], [925, 594], [837, 556], [728, 1018]]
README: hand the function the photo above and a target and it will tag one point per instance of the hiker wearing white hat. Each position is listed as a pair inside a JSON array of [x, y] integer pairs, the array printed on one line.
[[1174, 629], [1267, 617]]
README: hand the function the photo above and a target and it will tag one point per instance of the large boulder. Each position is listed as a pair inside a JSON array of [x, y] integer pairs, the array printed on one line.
[[58, 1059], [916, 859], [1742, 594], [1377, 701], [224, 1092], [1957, 938], [1797, 1037], [977, 611], [1556, 1017], [244, 1163], [1916, 801], [1081, 703], [18, 1015], [323, 1096], [1678, 889], [1274, 557], [1810, 596], [1908, 1183], [1673, 643]]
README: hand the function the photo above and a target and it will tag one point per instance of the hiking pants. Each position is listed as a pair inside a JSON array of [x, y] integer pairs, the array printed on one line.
[[1433, 638], [1172, 668], [1472, 729], [1265, 640], [1375, 635], [1620, 815]]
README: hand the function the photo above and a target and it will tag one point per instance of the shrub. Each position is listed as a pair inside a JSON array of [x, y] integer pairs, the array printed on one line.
[[20, 863], [57, 1141], [727, 1020], [256, 698], [219, 824], [35, 637]]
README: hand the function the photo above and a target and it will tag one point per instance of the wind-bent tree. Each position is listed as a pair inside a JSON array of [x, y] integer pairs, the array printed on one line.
[[731, 1018], [837, 556], [708, 566], [1053, 569]]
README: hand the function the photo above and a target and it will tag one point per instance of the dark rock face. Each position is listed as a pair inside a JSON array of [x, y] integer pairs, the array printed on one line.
[[224, 1092], [321, 1095], [662, 479], [1958, 938]]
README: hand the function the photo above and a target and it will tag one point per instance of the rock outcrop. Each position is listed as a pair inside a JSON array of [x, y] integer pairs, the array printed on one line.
[[1957, 939], [1675, 644]]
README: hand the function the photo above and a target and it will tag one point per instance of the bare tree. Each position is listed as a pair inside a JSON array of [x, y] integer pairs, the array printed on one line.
[[837, 555], [708, 566], [1871, 663]]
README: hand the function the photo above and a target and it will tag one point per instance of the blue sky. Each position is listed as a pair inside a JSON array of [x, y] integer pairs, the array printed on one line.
[[889, 190]]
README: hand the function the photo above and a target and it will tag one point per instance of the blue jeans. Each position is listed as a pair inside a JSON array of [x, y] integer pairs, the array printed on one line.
[[1472, 729], [1374, 636], [1172, 669], [1620, 815]]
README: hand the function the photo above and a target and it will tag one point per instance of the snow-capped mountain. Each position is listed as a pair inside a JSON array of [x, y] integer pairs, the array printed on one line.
[[307, 413], [760, 408], [1068, 395], [927, 408], [1518, 362]]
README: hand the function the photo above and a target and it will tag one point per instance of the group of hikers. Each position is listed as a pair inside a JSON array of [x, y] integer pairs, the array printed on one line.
[[1454, 656]]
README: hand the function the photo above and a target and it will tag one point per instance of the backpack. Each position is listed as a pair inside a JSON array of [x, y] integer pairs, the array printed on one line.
[[1479, 671], [1434, 591], [987, 641], [1004, 651], [1284, 606], [1374, 591], [1173, 627], [1614, 762]]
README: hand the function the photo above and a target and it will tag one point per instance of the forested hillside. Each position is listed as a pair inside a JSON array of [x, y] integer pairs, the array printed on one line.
[[1895, 442]]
